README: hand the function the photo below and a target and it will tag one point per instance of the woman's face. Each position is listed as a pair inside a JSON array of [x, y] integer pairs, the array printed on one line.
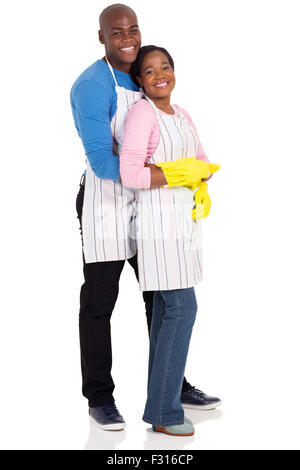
[[157, 76]]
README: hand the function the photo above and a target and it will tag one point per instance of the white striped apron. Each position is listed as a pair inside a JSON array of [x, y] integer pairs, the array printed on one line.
[[108, 213], [169, 241]]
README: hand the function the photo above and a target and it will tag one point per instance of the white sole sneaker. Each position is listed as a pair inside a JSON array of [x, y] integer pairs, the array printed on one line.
[[212, 406], [109, 427]]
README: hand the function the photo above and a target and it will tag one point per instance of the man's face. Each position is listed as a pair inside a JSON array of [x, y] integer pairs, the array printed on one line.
[[122, 37]]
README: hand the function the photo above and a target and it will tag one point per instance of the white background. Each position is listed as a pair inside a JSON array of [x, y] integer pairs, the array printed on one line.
[[237, 71]]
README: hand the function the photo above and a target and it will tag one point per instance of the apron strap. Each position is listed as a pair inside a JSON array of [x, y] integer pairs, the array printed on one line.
[[112, 72], [153, 106], [114, 77], [180, 114]]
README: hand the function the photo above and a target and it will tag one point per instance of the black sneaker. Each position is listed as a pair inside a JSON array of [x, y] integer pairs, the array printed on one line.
[[197, 400], [107, 417]]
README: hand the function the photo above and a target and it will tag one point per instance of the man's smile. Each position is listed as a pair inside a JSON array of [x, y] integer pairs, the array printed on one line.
[[128, 49]]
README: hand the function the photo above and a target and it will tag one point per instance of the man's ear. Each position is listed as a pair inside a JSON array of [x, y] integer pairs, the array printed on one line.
[[101, 37]]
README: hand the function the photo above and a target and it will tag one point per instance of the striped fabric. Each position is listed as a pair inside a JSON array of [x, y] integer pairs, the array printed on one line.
[[108, 215], [169, 241]]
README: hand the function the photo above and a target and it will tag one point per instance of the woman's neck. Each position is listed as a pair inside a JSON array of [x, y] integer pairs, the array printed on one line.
[[163, 104]]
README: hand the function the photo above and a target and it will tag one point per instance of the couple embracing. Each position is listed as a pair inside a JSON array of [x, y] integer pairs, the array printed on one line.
[[140, 199]]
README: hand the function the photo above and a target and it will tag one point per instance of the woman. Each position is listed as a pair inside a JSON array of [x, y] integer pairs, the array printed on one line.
[[168, 239]]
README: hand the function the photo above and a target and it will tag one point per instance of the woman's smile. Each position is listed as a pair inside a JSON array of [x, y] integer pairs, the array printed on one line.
[[161, 84], [157, 77]]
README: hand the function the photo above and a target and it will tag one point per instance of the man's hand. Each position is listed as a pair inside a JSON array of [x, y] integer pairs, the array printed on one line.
[[157, 175], [115, 147], [150, 165]]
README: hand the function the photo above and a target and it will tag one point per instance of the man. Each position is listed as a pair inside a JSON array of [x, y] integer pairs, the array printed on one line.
[[100, 99]]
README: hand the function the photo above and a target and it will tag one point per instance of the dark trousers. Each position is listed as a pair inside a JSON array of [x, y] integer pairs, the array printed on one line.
[[98, 296]]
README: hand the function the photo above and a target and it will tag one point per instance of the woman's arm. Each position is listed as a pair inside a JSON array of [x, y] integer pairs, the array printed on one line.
[[140, 128]]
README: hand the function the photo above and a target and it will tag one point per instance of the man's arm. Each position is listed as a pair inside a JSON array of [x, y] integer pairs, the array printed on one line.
[[91, 104]]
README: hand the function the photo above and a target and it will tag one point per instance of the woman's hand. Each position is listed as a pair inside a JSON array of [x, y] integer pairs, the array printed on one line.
[[153, 166], [206, 179], [187, 171]]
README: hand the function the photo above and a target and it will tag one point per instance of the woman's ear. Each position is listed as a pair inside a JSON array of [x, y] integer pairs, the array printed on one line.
[[140, 82]]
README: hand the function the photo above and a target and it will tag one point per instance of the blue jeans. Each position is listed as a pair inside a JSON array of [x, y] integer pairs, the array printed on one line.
[[173, 317]]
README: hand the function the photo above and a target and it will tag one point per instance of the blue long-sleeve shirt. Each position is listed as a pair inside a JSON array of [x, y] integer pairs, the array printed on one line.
[[94, 103]]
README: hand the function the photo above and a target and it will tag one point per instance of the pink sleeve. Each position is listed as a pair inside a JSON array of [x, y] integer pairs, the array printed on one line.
[[140, 124], [201, 155]]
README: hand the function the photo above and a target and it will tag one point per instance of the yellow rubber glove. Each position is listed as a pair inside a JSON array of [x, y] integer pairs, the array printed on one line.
[[187, 171], [202, 201]]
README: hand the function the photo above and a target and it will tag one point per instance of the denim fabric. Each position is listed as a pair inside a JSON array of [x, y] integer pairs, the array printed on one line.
[[173, 317], [97, 299]]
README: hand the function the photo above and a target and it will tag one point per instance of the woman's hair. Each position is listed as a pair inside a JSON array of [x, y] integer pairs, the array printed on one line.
[[136, 66]]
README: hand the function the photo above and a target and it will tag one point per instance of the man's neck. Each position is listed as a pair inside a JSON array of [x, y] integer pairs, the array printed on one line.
[[122, 67]]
